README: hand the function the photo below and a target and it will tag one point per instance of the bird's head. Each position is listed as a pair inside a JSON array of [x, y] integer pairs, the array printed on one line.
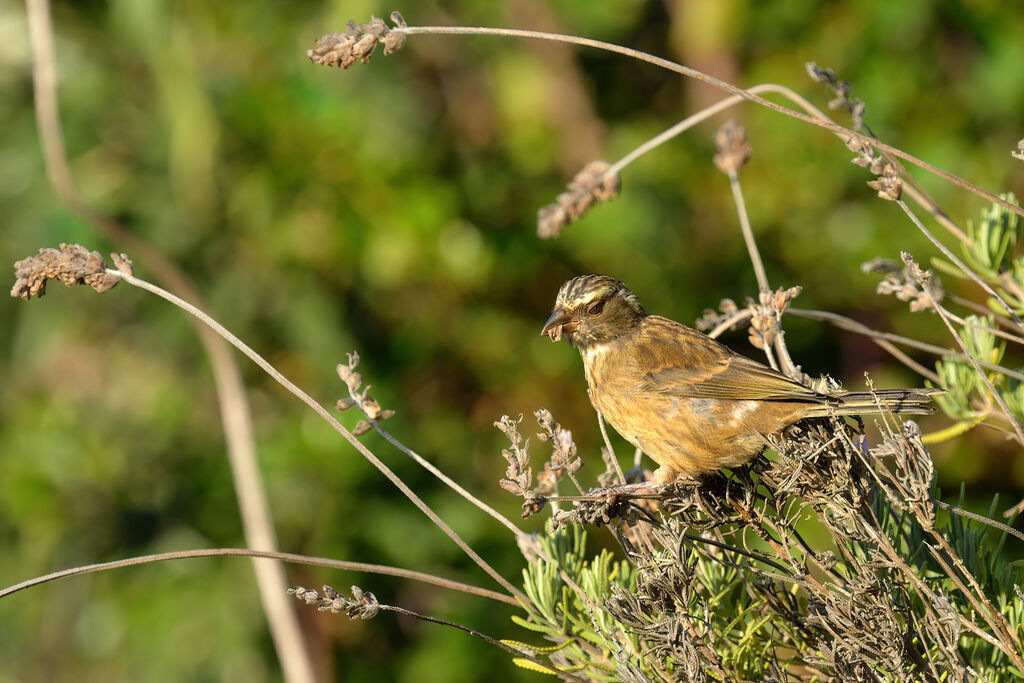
[[591, 310]]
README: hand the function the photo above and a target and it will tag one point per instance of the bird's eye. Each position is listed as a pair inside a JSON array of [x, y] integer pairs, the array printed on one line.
[[596, 307]]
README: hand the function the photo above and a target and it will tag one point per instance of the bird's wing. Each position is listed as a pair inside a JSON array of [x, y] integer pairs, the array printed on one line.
[[679, 361]]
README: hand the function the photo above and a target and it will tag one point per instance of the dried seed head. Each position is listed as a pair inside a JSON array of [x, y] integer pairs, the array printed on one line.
[[889, 185], [907, 282], [593, 185], [358, 42], [363, 604], [347, 372], [841, 90], [731, 148], [72, 264], [371, 407], [519, 475]]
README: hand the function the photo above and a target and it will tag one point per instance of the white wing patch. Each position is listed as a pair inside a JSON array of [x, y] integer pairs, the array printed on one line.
[[742, 409]]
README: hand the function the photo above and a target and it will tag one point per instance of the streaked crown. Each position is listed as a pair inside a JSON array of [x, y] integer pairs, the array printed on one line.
[[581, 290], [593, 309]]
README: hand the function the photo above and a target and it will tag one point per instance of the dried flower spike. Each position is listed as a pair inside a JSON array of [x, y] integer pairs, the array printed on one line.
[[348, 373], [731, 147], [889, 185], [519, 475], [906, 283], [358, 42], [841, 90], [72, 264], [593, 185], [764, 323], [363, 604]]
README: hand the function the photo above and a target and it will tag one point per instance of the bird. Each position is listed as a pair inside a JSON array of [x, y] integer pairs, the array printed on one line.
[[691, 404]]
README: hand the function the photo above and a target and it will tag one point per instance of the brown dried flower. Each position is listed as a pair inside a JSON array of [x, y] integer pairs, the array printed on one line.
[[564, 459], [519, 475], [907, 282], [72, 264], [841, 90], [889, 185], [348, 373], [731, 147], [593, 185], [363, 604], [764, 324], [358, 42]]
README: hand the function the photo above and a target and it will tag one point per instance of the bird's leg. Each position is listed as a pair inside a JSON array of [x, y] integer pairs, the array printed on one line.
[[641, 482], [664, 476]]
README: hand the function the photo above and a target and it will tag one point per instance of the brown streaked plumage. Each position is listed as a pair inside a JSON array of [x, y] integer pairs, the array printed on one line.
[[691, 404]]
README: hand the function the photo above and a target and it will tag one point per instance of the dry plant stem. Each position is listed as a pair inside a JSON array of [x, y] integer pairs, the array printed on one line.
[[770, 355], [995, 331], [919, 585], [712, 81], [326, 415], [429, 466], [959, 264], [1007, 643], [691, 121], [467, 495], [983, 310], [960, 342], [907, 360], [910, 189], [283, 557], [977, 368], [852, 325], [564, 675], [748, 234], [786, 363], [785, 360], [929, 205], [236, 417], [1015, 510], [608, 445], [977, 595], [734, 319]]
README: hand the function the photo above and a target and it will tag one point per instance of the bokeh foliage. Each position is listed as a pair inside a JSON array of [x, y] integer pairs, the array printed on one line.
[[389, 209]]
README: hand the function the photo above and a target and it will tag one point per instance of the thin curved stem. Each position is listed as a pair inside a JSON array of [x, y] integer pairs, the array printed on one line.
[[330, 419], [852, 325], [564, 675], [608, 445], [977, 368], [1006, 529], [444, 478], [1016, 339], [748, 233], [688, 123], [272, 555], [958, 263], [712, 81], [734, 319]]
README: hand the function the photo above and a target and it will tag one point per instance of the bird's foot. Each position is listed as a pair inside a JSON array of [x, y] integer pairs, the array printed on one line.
[[643, 483], [665, 476]]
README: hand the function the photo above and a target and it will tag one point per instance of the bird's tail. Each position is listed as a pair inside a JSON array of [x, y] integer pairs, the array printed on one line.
[[904, 401]]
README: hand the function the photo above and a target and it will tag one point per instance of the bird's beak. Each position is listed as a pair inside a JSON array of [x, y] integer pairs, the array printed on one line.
[[556, 322]]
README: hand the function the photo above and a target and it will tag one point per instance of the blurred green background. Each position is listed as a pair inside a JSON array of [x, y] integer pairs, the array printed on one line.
[[390, 209]]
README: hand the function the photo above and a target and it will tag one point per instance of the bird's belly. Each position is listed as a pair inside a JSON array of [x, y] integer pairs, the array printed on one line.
[[690, 435]]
